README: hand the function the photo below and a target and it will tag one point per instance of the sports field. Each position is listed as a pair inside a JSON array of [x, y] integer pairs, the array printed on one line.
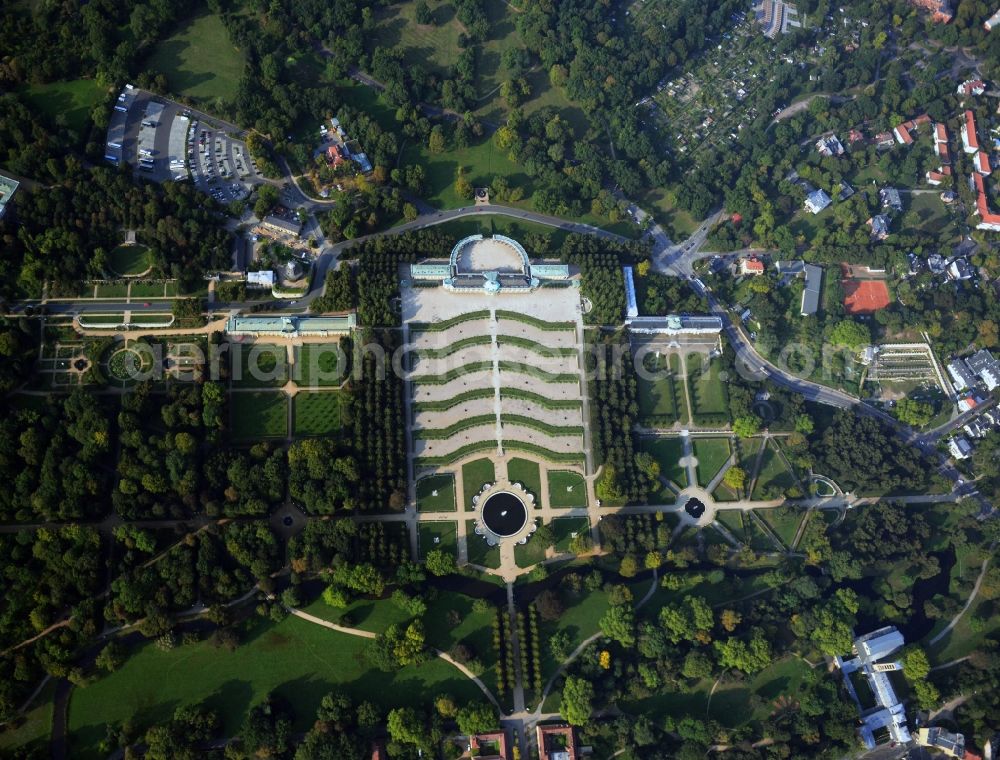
[[865, 296], [199, 60], [259, 415], [316, 413], [299, 661]]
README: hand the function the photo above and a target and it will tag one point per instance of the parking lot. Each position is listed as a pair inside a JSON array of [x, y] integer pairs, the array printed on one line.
[[166, 141]]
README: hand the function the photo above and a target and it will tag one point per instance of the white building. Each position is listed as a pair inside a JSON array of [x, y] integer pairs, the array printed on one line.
[[817, 200], [960, 447]]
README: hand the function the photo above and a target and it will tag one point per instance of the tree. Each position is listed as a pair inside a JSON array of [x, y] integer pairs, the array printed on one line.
[[913, 413], [111, 657], [336, 596], [849, 333], [436, 143], [476, 718], [267, 198], [729, 619], [463, 188], [629, 566], [735, 653], [618, 623], [735, 478], [440, 562], [577, 700], [746, 426], [423, 13]]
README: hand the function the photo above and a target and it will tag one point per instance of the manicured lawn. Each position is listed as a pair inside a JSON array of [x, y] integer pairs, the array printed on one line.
[[711, 453], [258, 365], [437, 535], [526, 473], [374, 615], [450, 620], [316, 364], [661, 400], [130, 260], [567, 489], [259, 415], [708, 391], [434, 46], [73, 100], [962, 640], [299, 661], [784, 521], [436, 493], [316, 413], [579, 619], [33, 730], [530, 553], [563, 529], [480, 553], [199, 60], [475, 475], [731, 519], [156, 289], [668, 452], [112, 290], [774, 476]]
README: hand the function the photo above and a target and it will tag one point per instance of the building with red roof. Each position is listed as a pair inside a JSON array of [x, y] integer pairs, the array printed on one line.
[[557, 743], [982, 162], [988, 220], [971, 87], [969, 139], [491, 746], [939, 176], [940, 10], [751, 265]]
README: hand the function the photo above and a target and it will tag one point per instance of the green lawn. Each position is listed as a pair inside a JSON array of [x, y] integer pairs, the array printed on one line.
[[72, 100], [316, 413], [436, 493], [258, 365], [374, 615], [774, 476], [526, 473], [784, 521], [298, 661], [475, 475], [708, 392], [712, 454], [316, 365], [668, 452], [661, 401], [437, 535], [33, 729], [530, 553], [567, 489], [434, 46], [199, 60], [579, 620], [259, 415], [450, 620], [130, 259], [563, 529], [480, 553]]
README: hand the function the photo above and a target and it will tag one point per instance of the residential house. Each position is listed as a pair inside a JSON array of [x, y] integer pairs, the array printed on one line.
[[880, 226], [813, 290], [884, 140], [992, 22], [960, 269], [971, 87], [941, 142], [988, 220], [284, 226], [967, 404], [960, 447], [8, 187], [378, 752], [903, 131], [890, 198], [982, 163], [937, 177], [952, 745], [854, 136], [940, 10], [846, 191], [916, 265], [969, 139], [557, 743], [949, 196], [263, 279], [983, 364], [751, 265], [817, 200], [887, 719], [936, 263], [829, 146], [961, 376], [334, 156]]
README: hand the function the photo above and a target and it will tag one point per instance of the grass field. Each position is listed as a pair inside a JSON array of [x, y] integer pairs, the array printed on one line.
[[436, 494], [784, 521], [258, 365], [32, 731], [450, 619], [199, 61], [129, 259], [579, 620], [708, 392], [711, 454], [437, 535], [259, 415], [475, 475], [316, 365], [480, 553], [374, 615], [663, 397], [434, 46], [567, 489], [774, 475], [563, 529], [530, 553], [72, 100], [668, 452], [316, 413], [526, 473], [299, 661]]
